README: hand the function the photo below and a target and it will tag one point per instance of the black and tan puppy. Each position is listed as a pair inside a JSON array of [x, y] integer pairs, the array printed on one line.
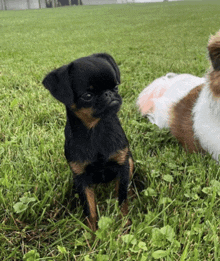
[[96, 147]]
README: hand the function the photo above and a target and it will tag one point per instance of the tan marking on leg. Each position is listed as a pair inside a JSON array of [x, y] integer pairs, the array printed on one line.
[[131, 167], [120, 156], [92, 219], [78, 167], [124, 208]]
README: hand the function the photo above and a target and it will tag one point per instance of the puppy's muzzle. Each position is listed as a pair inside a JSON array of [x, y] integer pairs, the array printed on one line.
[[110, 98], [108, 103]]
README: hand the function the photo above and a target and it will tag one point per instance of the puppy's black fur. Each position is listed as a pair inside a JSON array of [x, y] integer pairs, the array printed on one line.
[[96, 147]]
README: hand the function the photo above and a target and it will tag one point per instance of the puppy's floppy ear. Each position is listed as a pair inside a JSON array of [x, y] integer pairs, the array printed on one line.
[[214, 50], [58, 83], [112, 62]]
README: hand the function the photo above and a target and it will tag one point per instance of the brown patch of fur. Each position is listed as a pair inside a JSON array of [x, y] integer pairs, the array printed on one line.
[[92, 219], [85, 115], [214, 50], [181, 124], [78, 167], [124, 208], [131, 170], [120, 156], [214, 78], [131, 167]]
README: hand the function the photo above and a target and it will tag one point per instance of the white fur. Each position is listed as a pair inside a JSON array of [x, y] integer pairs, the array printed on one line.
[[146, 99], [206, 117], [206, 110], [157, 85], [176, 87]]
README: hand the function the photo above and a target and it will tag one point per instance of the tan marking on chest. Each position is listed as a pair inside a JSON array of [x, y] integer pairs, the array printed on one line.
[[85, 115]]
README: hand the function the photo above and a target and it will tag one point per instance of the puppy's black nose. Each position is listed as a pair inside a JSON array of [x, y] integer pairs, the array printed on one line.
[[108, 94]]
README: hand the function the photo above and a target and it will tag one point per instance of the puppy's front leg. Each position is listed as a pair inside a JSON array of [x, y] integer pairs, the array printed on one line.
[[85, 191], [122, 187], [125, 172], [87, 198], [92, 215]]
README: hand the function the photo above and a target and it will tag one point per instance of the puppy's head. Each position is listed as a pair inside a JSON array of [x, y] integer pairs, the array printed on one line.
[[88, 86]]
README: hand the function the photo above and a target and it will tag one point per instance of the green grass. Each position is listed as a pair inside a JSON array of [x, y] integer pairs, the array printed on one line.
[[176, 215]]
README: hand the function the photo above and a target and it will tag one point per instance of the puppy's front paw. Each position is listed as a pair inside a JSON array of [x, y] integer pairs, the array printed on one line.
[[92, 223]]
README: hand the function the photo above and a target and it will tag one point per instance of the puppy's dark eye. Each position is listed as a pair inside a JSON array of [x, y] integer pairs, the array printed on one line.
[[115, 89], [87, 96]]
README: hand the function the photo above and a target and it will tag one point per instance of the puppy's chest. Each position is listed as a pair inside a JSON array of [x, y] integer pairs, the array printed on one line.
[[97, 145], [102, 148], [100, 160]]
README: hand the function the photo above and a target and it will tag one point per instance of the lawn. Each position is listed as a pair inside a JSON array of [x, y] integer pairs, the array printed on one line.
[[175, 209]]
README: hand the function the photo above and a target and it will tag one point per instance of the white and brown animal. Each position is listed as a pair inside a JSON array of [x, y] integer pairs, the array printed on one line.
[[188, 105]]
